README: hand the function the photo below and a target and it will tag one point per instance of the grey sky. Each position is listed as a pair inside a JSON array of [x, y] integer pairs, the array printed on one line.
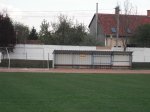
[[32, 12]]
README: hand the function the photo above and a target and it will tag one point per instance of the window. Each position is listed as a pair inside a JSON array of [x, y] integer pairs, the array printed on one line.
[[113, 30], [128, 30]]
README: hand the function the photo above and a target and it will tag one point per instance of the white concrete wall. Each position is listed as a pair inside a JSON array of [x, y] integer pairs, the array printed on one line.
[[41, 52], [138, 55]]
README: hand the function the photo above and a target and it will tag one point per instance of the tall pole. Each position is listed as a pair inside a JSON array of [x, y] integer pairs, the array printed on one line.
[[96, 20], [117, 33]]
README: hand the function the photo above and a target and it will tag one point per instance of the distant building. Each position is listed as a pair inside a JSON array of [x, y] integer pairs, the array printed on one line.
[[107, 27]]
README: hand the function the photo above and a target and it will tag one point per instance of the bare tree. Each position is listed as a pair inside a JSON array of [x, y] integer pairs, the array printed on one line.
[[128, 21]]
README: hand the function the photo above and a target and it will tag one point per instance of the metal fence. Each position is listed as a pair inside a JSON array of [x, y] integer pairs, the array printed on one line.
[[92, 59]]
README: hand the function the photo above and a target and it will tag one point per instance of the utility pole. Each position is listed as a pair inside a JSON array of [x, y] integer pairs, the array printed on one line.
[[96, 20], [117, 10]]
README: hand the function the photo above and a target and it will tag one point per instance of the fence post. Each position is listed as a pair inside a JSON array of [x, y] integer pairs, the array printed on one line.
[[8, 57], [43, 57], [26, 56], [48, 61]]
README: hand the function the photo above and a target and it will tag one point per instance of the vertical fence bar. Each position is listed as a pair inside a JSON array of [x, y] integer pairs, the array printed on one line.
[[8, 57], [26, 56], [43, 57], [72, 60], [53, 62], [48, 61], [92, 60]]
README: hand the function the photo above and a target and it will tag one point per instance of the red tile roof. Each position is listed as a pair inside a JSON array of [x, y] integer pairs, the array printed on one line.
[[108, 21]]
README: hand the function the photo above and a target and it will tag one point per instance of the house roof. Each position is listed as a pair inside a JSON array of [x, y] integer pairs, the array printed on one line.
[[108, 23]]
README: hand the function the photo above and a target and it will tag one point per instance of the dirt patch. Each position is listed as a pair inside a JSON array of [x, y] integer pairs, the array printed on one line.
[[110, 71]]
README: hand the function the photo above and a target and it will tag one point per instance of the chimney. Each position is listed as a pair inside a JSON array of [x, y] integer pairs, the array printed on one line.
[[117, 10], [148, 13]]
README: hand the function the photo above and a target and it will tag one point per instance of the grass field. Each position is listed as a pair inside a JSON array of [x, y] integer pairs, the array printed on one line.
[[51, 92]]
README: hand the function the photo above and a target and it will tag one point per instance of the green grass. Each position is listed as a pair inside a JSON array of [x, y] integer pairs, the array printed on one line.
[[51, 92]]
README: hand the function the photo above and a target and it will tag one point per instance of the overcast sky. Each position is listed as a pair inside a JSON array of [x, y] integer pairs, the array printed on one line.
[[32, 12]]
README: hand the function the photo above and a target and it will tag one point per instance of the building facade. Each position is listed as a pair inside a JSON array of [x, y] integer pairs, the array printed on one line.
[[107, 27]]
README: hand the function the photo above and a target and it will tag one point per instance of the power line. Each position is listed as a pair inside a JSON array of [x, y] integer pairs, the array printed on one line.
[[46, 11], [77, 14], [53, 11], [46, 16]]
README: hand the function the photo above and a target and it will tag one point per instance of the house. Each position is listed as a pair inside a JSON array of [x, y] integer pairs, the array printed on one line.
[[107, 27]]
